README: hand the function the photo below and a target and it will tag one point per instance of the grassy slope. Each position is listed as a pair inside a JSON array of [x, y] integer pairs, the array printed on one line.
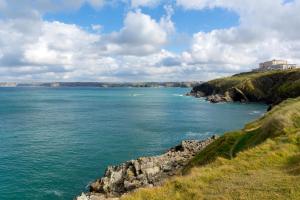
[[261, 161], [271, 86]]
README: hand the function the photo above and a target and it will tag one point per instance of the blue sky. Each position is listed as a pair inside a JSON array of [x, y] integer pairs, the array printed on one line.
[[143, 40], [111, 17], [187, 22]]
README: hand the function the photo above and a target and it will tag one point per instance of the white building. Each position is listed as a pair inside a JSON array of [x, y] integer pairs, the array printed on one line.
[[275, 65]]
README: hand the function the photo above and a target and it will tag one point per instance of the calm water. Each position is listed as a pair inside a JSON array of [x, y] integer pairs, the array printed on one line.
[[54, 141]]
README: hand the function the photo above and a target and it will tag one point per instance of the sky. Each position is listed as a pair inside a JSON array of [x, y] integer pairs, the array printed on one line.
[[143, 40]]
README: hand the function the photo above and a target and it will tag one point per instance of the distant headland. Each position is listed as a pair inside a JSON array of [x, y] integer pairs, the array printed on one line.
[[102, 84]]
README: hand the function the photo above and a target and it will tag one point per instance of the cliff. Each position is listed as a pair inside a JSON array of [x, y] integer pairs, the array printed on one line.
[[261, 161], [270, 87]]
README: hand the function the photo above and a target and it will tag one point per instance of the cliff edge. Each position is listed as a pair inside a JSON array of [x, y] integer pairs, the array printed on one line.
[[271, 87], [261, 161]]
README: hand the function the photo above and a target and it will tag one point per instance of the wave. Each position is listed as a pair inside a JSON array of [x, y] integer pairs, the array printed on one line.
[[55, 192], [255, 112], [88, 185], [178, 95], [135, 95], [196, 134]]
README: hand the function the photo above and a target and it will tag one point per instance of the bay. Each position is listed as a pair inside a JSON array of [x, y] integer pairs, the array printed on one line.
[[54, 141]]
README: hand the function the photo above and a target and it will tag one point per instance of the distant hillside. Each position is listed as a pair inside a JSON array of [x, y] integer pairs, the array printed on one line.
[[269, 87], [261, 161], [102, 84]]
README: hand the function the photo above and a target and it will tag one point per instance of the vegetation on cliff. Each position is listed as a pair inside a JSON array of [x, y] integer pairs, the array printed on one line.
[[261, 161], [269, 87]]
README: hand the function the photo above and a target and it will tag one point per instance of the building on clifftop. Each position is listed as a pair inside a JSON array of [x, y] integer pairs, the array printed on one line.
[[275, 65]]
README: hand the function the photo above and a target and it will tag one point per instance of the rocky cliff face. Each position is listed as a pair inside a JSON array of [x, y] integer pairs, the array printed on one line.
[[269, 87], [230, 95], [144, 171]]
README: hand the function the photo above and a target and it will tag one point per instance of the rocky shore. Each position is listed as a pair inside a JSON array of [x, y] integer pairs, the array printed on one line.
[[271, 87], [233, 94], [143, 172]]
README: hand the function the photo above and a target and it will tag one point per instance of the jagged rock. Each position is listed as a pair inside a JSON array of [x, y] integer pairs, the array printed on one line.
[[84, 196], [217, 98], [234, 94], [228, 97], [144, 171], [237, 95], [199, 94], [196, 94], [205, 89]]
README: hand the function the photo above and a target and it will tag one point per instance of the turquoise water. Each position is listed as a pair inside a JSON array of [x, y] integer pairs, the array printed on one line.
[[54, 141]]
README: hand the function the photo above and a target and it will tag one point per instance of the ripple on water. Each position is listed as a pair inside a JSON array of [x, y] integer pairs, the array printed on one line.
[[57, 193], [199, 134], [256, 112], [178, 95], [53, 142]]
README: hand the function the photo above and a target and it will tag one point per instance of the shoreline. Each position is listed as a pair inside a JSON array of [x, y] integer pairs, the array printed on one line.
[[144, 172], [271, 87], [183, 84]]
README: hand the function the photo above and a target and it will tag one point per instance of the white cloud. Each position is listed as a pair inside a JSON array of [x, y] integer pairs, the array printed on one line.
[[59, 44], [268, 29], [166, 22], [96, 3], [34, 9], [34, 49], [144, 3], [2, 4], [96, 27], [141, 35], [58, 51]]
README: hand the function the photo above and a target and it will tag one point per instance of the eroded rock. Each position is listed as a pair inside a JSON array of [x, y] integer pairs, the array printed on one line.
[[217, 98], [144, 171]]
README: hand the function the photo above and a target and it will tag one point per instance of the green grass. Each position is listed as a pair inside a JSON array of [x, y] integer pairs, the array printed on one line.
[[275, 123], [270, 86], [261, 161]]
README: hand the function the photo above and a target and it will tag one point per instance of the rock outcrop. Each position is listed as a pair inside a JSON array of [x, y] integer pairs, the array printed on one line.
[[144, 171], [267, 87]]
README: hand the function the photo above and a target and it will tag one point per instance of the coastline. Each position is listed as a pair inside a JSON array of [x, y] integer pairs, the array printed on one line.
[[270, 87], [183, 84], [123, 179], [260, 161], [144, 172]]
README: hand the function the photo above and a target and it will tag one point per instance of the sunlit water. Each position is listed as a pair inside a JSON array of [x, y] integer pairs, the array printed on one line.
[[54, 141]]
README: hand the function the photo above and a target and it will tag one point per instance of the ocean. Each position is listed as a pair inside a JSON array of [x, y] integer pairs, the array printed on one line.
[[54, 141]]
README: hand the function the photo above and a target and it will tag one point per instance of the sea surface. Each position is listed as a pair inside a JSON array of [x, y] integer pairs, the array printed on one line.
[[54, 141]]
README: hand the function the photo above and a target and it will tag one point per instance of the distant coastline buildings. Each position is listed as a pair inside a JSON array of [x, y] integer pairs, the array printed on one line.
[[8, 84], [275, 65], [102, 84]]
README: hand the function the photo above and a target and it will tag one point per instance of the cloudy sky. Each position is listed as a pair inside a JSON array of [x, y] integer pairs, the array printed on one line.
[[143, 40]]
